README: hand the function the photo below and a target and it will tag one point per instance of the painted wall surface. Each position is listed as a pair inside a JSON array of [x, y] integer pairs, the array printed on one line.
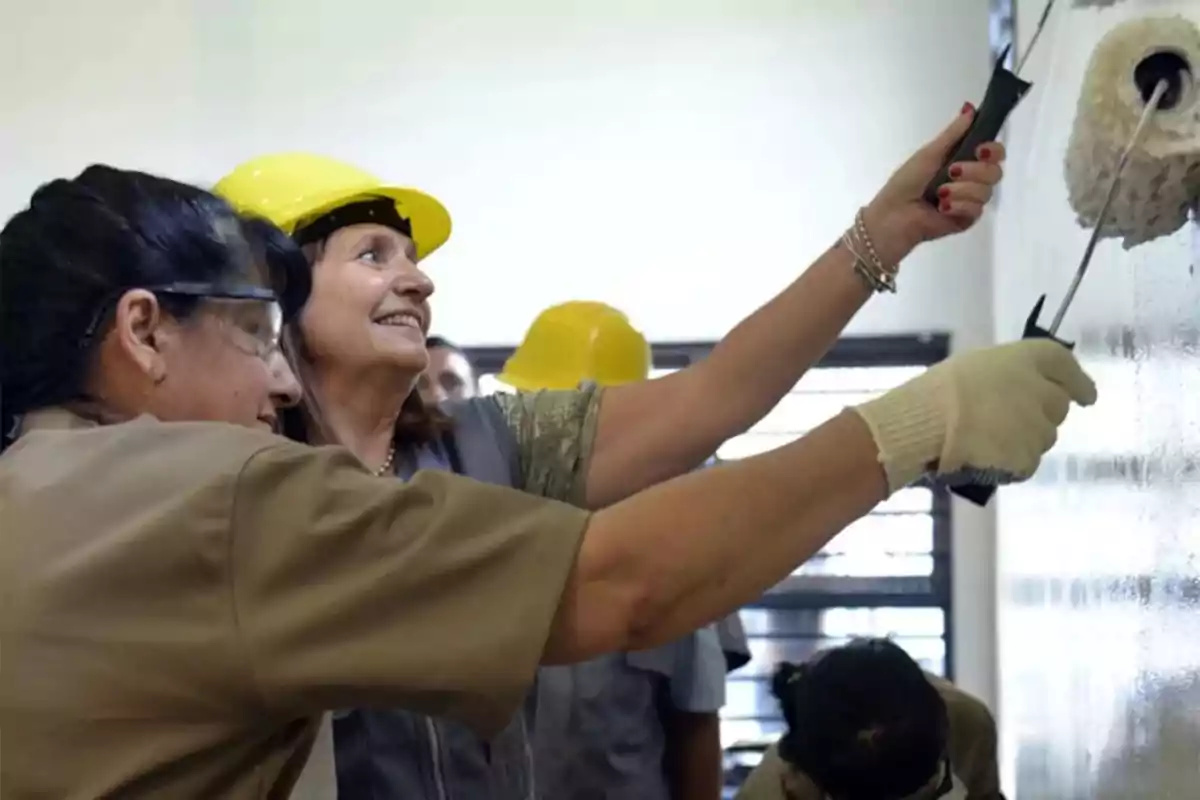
[[1099, 557]]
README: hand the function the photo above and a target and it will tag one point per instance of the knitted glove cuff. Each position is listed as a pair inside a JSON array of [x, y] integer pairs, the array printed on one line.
[[910, 426]]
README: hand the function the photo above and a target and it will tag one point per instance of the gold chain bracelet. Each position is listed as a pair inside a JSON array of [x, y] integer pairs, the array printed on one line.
[[878, 276]]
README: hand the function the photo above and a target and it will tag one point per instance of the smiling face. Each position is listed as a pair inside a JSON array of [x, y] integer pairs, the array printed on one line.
[[369, 305]]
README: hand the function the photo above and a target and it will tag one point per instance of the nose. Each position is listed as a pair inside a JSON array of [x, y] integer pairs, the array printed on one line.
[[412, 283], [284, 388], [431, 393]]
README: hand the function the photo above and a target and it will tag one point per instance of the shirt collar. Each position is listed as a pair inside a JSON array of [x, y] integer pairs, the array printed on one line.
[[56, 418], [62, 418]]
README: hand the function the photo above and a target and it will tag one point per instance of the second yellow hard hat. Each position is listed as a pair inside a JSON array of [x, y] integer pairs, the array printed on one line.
[[292, 189], [575, 342]]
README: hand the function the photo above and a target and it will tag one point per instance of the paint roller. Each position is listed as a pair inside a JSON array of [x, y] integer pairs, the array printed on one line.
[[1162, 179], [1133, 160]]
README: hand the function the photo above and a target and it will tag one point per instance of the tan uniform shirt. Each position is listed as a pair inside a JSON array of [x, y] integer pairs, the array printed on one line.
[[183, 601], [552, 433], [973, 757]]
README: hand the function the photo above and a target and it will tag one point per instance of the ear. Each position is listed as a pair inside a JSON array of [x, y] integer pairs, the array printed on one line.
[[138, 331]]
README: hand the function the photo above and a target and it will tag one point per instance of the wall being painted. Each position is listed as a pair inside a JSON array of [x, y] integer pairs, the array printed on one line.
[[1099, 557]]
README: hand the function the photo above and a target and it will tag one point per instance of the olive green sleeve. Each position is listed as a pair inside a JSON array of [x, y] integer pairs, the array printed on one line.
[[773, 779], [555, 432], [974, 749]]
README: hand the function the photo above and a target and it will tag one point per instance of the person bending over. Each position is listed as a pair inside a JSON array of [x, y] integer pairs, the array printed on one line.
[[864, 722]]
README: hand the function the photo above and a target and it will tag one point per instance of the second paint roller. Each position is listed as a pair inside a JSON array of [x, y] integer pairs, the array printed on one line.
[[1139, 87]]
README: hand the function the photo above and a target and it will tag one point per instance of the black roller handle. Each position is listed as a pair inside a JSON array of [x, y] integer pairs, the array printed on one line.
[[979, 493], [1004, 92]]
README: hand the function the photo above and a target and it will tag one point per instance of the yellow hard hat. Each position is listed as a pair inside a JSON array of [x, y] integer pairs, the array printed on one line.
[[293, 189], [575, 342]]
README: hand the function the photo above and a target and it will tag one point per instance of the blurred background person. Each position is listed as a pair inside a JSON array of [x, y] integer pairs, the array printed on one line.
[[625, 726], [450, 375], [865, 722]]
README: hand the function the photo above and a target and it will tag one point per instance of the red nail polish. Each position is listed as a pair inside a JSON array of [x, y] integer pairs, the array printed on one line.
[[985, 153], [956, 172], [944, 207], [967, 108], [944, 192]]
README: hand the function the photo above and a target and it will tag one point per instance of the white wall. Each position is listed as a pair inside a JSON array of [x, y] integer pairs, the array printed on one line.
[[680, 159]]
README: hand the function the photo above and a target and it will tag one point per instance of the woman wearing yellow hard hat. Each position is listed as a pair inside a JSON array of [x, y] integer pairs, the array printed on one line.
[[644, 724], [360, 347]]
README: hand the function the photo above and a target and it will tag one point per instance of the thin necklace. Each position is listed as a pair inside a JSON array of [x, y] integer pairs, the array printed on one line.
[[387, 462]]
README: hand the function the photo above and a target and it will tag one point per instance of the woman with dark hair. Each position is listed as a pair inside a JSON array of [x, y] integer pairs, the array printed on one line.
[[186, 594], [359, 347], [230, 269]]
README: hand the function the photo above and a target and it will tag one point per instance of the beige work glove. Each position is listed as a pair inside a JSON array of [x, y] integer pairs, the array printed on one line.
[[986, 416]]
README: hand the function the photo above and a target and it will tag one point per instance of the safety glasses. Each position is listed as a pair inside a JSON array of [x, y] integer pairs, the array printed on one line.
[[255, 311]]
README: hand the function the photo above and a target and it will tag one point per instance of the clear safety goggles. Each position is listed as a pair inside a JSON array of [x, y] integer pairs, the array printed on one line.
[[253, 314]]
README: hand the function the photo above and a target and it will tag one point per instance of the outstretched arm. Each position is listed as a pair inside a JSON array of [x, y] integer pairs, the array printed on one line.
[[654, 430]]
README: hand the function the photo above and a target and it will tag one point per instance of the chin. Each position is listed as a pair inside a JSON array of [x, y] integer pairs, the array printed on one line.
[[408, 357]]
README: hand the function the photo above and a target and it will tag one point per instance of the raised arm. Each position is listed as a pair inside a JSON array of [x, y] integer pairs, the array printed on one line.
[[686, 552], [748, 523], [658, 429]]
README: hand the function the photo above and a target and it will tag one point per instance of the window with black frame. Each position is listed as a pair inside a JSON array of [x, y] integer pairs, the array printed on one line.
[[886, 575]]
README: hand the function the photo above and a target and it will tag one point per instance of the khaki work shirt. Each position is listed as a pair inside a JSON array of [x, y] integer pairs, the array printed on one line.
[[973, 757], [183, 601]]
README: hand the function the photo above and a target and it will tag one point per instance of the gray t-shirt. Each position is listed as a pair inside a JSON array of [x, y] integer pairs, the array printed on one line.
[[599, 729]]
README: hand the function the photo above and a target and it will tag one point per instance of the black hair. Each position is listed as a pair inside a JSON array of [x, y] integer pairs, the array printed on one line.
[[82, 242], [864, 722], [441, 341]]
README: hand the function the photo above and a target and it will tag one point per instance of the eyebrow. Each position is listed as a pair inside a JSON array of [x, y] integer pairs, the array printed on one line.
[[373, 239]]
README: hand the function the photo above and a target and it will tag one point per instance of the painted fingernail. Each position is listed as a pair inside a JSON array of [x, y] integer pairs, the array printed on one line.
[[956, 171], [944, 207], [967, 108], [944, 192], [985, 153]]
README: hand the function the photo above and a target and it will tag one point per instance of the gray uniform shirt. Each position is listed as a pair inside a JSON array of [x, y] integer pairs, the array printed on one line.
[[599, 733]]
